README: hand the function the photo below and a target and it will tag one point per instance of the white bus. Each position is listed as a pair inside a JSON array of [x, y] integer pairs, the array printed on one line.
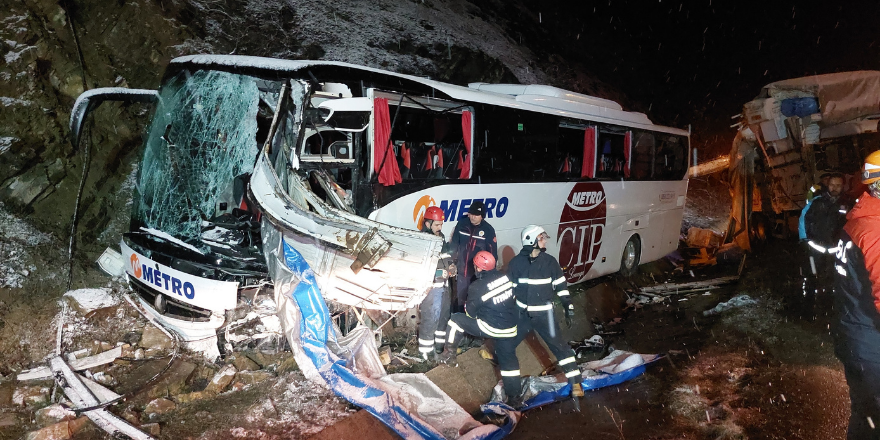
[[342, 161]]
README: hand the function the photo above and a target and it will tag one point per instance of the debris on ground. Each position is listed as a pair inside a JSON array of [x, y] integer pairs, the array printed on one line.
[[593, 344], [138, 382], [693, 286], [703, 238], [737, 301]]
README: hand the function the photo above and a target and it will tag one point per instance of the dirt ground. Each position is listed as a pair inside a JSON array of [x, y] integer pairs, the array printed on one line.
[[763, 371]]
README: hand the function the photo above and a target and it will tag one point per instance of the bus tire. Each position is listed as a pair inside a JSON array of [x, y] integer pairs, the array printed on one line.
[[632, 252]]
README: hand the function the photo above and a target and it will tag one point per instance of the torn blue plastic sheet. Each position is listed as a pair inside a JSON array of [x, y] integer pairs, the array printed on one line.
[[601, 380], [316, 329]]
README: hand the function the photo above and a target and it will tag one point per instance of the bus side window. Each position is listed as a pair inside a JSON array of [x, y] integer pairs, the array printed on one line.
[[610, 158], [643, 156], [428, 145], [570, 152], [670, 160]]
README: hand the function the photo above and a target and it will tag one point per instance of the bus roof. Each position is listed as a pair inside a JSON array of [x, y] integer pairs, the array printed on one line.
[[536, 98]]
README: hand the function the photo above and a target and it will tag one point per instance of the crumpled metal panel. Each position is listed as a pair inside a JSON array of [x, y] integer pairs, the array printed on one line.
[[358, 262]]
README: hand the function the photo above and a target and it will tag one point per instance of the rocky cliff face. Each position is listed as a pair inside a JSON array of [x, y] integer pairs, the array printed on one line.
[[53, 51]]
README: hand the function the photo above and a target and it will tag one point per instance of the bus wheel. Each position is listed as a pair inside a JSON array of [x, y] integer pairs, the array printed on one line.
[[629, 262]]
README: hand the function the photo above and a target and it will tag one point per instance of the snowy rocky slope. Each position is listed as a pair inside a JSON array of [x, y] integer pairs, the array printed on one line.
[[53, 51]]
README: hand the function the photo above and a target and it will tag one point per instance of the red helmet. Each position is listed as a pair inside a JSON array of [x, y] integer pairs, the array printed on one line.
[[434, 213], [484, 260]]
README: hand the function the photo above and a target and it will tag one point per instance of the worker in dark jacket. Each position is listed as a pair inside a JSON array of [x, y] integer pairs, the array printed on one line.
[[820, 225], [824, 217], [471, 235], [490, 312], [538, 280], [857, 302], [435, 308]]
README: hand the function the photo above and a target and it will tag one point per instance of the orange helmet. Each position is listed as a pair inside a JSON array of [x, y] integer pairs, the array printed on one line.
[[871, 170], [484, 260], [434, 213]]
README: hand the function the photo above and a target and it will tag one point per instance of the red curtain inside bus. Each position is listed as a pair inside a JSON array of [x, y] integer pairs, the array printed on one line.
[[465, 164], [588, 165], [627, 149], [404, 155], [384, 160]]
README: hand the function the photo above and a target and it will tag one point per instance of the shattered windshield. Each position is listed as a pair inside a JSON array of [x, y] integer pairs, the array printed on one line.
[[202, 142]]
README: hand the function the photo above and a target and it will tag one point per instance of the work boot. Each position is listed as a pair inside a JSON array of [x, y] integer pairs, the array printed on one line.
[[577, 390], [515, 402], [448, 357]]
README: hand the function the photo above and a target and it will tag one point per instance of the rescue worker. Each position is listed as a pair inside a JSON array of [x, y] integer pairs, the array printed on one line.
[[471, 235], [490, 312], [435, 309], [820, 224], [857, 301], [817, 188], [538, 280]]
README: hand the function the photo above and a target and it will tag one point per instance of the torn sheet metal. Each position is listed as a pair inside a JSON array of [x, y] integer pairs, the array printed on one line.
[[356, 262], [406, 404]]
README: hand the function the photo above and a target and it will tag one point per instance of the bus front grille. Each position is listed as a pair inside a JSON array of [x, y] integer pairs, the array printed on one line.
[[174, 308]]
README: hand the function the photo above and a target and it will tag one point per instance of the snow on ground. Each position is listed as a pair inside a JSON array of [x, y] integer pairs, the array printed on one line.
[[19, 244], [298, 404], [92, 299]]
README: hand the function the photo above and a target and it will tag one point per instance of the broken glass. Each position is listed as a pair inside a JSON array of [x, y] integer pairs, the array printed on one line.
[[202, 138]]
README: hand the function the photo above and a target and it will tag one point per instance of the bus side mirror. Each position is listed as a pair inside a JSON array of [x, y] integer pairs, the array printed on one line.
[[91, 99]]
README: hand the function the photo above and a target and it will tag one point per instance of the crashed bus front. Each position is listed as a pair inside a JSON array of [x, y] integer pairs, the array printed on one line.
[[233, 152]]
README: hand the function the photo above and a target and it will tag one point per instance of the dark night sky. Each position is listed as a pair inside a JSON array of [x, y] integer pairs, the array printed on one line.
[[698, 62]]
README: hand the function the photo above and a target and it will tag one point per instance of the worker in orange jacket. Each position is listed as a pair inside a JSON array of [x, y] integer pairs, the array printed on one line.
[[857, 301]]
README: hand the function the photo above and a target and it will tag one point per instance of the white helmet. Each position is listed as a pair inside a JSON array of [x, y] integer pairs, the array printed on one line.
[[531, 233]]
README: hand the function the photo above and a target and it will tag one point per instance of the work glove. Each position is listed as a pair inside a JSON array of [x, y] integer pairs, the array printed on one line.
[[452, 270], [569, 314]]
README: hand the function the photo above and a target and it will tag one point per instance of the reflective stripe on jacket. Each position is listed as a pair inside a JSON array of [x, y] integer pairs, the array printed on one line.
[[492, 303], [537, 282]]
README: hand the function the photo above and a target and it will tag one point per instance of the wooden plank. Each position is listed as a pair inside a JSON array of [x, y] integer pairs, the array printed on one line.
[[77, 365], [80, 395], [103, 394]]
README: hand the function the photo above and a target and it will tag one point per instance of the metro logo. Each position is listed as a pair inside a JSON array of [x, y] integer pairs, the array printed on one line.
[[585, 200], [581, 226], [136, 266], [453, 209], [163, 281], [422, 205]]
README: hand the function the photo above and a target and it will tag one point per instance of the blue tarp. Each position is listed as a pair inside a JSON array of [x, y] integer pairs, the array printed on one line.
[[316, 330], [589, 383]]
